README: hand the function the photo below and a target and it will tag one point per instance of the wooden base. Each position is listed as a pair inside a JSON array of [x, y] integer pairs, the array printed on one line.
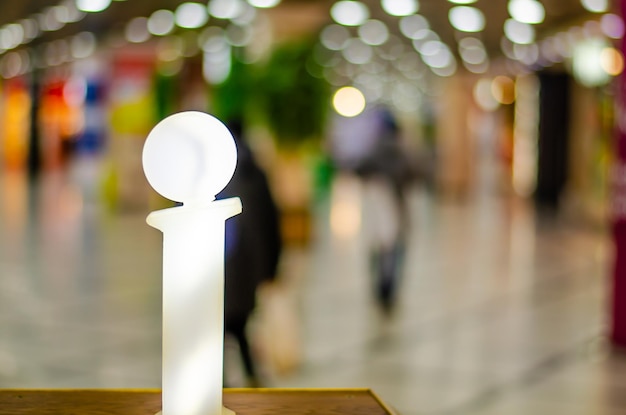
[[241, 401], [225, 411]]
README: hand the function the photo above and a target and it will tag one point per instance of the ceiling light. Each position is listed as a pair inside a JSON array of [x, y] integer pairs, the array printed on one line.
[[518, 32], [472, 51], [410, 26], [238, 35], [226, 9], [612, 25], [374, 32], [429, 35], [191, 15], [161, 22], [445, 71], [31, 29], [477, 68], [527, 11], [137, 30], [334, 37], [72, 14], [357, 52], [462, 1], [440, 59], [349, 13], [400, 7], [13, 35], [92, 6], [527, 54], [595, 6], [83, 45], [436, 54], [48, 21], [263, 4], [466, 19]]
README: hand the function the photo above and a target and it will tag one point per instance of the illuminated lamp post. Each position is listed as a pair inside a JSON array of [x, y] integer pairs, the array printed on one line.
[[189, 157]]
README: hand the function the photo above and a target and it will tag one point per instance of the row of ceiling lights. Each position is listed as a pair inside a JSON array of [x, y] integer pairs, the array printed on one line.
[[435, 53], [188, 15], [518, 31]]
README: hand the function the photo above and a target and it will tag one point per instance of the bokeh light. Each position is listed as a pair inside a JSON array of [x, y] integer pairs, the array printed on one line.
[[349, 101], [191, 15], [612, 61], [349, 13], [161, 22], [466, 19], [92, 6]]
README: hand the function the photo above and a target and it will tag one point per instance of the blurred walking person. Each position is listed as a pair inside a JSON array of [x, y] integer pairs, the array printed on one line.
[[387, 172], [253, 247]]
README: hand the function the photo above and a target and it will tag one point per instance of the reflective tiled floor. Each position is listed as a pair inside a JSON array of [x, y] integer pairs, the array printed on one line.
[[500, 312]]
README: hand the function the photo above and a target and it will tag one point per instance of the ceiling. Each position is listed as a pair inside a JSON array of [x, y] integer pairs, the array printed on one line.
[[292, 17]]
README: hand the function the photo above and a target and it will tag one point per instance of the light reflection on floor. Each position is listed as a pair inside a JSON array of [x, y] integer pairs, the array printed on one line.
[[500, 312]]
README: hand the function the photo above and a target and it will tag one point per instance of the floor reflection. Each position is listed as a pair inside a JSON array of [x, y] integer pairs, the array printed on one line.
[[500, 312]]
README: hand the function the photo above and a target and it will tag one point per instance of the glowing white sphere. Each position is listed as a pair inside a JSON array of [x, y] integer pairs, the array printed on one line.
[[189, 157]]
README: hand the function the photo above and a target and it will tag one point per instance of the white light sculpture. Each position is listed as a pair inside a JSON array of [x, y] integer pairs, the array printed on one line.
[[189, 157]]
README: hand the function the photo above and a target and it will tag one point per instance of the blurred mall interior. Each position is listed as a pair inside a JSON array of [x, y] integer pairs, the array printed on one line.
[[501, 231]]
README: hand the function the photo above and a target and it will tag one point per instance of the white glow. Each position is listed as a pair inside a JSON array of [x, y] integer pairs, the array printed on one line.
[[217, 55], [517, 32], [191, 15], [334, 37], [437, 55], [526, 11], [595, 6], [587, 63], [612, 26], [161, 22], [200, 151], [49, 20], [72, 14], [11, 65], [83, 45], [349, 13], [226, 9], [11, 36], [477, 68], [264, 4], [247, 16], [462, 1], [466, 19], [373, 32], [527, 54], [239, 35], [472, 50], [445, 71], [92, 6], [413, 26], [357, 52], [400, 7], [349, 101], [137, 30], [31, 29]]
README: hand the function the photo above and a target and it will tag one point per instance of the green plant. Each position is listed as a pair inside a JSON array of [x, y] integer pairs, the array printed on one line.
[[295, 102]]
